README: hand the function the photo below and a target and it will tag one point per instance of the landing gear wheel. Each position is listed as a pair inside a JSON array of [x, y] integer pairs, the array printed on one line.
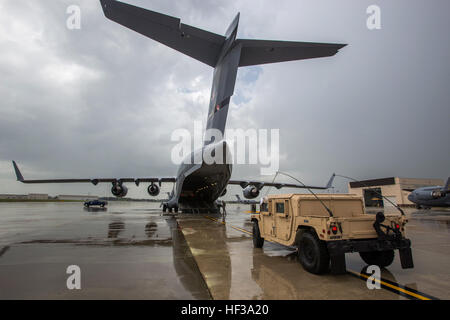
[[418, 206], [164, 207], [258, 242], [176, 209], [379, 258], [170, 210], [313, 253]]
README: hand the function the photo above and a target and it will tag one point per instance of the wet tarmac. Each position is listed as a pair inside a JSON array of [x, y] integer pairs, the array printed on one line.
[[124, 252], [132, 251]]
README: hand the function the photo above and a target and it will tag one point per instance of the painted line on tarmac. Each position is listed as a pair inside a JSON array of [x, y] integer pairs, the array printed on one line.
[[395, 287], [385, 284]]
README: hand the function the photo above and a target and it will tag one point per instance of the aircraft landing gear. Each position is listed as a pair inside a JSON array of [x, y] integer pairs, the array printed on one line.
[[167, 208]]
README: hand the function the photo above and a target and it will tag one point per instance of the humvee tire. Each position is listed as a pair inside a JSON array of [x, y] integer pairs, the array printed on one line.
[[313, 253], [258, 242], [379, 258]]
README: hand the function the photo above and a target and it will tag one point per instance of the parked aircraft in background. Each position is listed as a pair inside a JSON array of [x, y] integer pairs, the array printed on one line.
[[427, 197]]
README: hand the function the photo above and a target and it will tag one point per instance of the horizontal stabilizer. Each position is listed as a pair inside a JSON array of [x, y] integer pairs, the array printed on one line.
[[197, 43], [256, 52]]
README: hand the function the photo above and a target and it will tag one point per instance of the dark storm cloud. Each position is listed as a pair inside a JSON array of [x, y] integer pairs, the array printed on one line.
[[103, 101]]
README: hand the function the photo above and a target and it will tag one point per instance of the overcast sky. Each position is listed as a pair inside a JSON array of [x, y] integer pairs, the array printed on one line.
[[103, 101]]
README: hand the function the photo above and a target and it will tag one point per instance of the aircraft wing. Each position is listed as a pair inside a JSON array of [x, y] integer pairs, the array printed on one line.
[[261, 184], [94, 181], [199, 44], [256, 52], [239, 200]]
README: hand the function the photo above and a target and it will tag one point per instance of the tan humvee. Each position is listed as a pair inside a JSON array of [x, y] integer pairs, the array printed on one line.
[[327, 227]]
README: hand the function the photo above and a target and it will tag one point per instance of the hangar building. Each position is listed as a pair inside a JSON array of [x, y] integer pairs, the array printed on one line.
[[394, 188]]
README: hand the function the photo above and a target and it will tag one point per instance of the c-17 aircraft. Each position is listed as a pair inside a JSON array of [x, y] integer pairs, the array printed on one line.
[[437, 196], [197, 186]]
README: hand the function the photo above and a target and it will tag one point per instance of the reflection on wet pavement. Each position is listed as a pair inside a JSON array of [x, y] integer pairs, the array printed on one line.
[[274, 272], [131, 251], [150, 229], [138, 254], [115, 228], [233, 269], [95, 209]]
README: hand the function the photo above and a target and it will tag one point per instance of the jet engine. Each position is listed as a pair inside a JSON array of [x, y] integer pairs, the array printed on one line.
[[119, 190], [436, 194], [153, 190], [430, 195], [251, 192]]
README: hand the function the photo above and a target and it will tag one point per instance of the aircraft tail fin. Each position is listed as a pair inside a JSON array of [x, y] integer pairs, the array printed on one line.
[[224, 53], [447, 185], [18, 173], [330, 182]]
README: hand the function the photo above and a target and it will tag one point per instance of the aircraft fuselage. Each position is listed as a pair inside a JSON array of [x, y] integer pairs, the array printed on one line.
[[200, 184], [424, 197]]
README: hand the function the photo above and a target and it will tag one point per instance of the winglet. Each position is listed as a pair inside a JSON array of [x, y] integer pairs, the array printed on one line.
[[18, 174], [330, 182]]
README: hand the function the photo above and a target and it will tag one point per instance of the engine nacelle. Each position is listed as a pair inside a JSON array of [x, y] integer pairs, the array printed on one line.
[[436, 194], [119, 190], [251, 192], [153, 190], [430, 195]]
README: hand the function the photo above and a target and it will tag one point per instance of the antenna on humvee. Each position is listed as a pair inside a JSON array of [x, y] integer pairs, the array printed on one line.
[[323, 204]]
